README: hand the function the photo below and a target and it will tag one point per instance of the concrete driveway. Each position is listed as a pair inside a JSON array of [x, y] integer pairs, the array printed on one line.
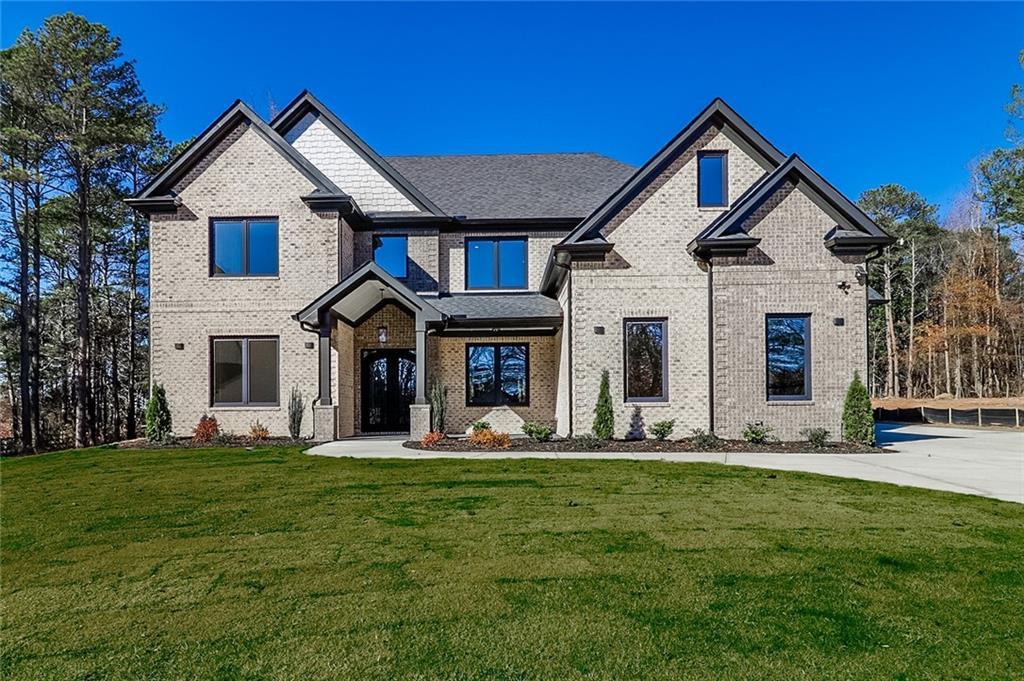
[[969, 461]]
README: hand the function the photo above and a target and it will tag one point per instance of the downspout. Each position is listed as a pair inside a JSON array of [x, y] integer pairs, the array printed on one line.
[[305, 326], [569, 378], [711, 347]]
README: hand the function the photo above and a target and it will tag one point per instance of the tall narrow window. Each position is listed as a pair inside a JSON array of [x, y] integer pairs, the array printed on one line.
[[496, 263], [712, 178], [392, 253], [788, 351], [646, 359], [244, 371], [243, 248], [497, 374]]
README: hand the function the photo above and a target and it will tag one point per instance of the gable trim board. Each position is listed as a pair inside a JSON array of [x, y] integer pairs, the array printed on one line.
[[306, 103], [855, 233], [157, 197], [760, 149]]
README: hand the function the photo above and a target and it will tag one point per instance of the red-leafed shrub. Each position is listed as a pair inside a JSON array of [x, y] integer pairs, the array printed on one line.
[[488, 439], [431, 438], [206, 429]]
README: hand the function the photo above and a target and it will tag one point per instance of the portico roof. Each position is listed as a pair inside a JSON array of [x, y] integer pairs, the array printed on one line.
[[363, 290]]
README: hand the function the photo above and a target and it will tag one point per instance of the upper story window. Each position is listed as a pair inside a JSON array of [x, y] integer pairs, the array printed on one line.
[[244, 371], [712, 178], [243, 247], [646, 354], [392, 253], [498, 262], [788, 356], [497, 374]]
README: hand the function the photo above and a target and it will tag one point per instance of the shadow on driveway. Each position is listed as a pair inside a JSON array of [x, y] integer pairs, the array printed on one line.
[[891, 433]]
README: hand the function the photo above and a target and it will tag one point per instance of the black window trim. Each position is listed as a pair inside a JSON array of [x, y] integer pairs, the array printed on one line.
[[373, 254], [498, 402], [807, 395], [245, 246], [664, 359], [496, 264], [245, 371], [725, 177]]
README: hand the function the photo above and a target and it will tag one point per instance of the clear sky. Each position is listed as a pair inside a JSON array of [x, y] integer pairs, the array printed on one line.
[[865, 93]]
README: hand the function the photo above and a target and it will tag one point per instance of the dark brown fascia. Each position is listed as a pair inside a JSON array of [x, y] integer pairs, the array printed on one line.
[[735, 247], [562, 256], [155, 204]]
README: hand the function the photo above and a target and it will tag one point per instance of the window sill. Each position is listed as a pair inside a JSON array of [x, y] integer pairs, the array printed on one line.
[[245, 277], [649, 403], [243, 407], [789, 403]]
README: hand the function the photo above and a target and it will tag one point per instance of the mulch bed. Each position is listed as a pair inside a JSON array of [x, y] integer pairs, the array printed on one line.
[[648, 446], [223, 441]]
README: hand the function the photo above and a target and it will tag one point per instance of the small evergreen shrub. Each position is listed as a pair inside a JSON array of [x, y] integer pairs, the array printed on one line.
[[480, 425], [589, 441], [604, 415], [637, 427], [757, 433], [431, 438], [438, 407], [818, 437], [704, 440], [858, 421], [538, 432], [662, 429], [206, 430], [296, 407], [488, 439], [158, 415], [258, 431]]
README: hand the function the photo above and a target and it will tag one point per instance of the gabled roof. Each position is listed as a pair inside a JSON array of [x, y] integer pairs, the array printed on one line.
[[306, 103], [370, 271], [516, 186], [716, 112], [157, 195], [857, 230]]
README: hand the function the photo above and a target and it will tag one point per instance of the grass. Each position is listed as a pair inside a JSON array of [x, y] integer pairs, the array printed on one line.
[[272, 564]]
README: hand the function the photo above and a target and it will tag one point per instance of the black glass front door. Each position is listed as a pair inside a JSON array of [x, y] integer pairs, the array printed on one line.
[[389, 387]]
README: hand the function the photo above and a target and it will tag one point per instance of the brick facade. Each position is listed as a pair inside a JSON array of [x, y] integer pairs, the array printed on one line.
[[401, 336]]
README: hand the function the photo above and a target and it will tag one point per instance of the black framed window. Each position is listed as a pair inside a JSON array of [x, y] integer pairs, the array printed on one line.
[[244, 371], [496, 263], [497, 373], [646, 359], [243, 247], [392, 253], [788, 356], [712, 178]]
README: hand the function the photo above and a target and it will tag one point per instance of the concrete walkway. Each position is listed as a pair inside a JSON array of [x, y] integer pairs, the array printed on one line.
[[969, 461]]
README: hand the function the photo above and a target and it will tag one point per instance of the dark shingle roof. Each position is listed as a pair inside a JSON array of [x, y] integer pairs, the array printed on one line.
[[512, 186], [497, 305]]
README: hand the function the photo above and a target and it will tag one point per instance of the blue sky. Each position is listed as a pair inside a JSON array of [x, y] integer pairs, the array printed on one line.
[[865, 93]]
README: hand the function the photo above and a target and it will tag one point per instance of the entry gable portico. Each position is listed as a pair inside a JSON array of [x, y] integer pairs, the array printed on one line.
[[351, 301]]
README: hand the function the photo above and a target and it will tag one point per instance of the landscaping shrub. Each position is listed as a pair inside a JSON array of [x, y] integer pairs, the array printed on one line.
[[538, 432], [604, 416], [757, 433], [637, 427], [431, 438], [662, 429], [488, 439], [858, 421], [438, 406], [258, 431], [480, 425], [296, 407], [206, 429], [704, 440], [818, 437], [158, 415], [589, 441]]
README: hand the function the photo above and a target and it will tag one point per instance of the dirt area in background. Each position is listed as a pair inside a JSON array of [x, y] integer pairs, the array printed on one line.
[[948, 402]]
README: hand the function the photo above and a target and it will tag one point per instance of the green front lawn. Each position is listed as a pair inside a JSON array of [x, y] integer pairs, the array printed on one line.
[[274, 564]]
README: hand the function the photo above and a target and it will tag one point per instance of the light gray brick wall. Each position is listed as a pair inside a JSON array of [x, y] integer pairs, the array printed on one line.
[[650, 274], [244, 177], [792, 272], [422, 252], [346, 168]]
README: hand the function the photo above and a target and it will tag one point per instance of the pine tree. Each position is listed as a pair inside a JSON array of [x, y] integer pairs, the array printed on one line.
[[604, 416], [858, 421]]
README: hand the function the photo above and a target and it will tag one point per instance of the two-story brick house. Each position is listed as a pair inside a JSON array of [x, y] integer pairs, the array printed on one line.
[[720, 283]]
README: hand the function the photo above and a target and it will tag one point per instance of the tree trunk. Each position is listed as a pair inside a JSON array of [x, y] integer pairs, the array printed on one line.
[[892, 379], [910, 337], [83, 368]]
